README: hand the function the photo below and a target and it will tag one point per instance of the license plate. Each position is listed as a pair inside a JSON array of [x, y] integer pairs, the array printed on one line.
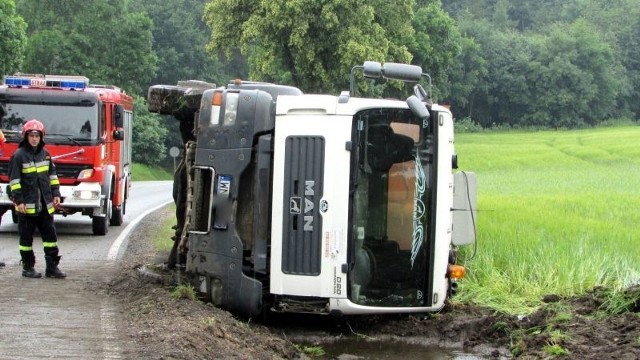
[[224, 185]]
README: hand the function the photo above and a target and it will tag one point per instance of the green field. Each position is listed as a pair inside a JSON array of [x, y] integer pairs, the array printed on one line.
[[559, 213]]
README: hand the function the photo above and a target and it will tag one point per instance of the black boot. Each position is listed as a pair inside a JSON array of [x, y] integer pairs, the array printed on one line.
[[29, 271], [52, 267]]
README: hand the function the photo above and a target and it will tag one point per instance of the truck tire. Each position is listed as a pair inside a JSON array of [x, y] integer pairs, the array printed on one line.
[[117, 213], [169, 100], [101, 223], [116, 216]]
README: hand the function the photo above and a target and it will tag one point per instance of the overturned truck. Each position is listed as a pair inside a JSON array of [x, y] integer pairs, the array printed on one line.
[[321, 204]]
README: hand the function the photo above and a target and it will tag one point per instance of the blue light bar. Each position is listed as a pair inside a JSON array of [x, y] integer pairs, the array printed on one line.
[[48, 81], [16, 81]]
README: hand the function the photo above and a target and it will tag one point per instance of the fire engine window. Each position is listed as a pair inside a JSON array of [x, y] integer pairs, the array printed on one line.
[[102, 123], [64, 123]]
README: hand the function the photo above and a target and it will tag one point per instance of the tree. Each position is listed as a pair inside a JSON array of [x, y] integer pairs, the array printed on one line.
[[312, 45], [619, 23], [179, 38], [12, 37], [437, 43], [132, 60], [149, 135], [99, 39], [465, 77], [565, 63], [577, 79]]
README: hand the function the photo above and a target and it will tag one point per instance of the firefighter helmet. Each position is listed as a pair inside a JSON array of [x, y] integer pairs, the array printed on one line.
[[32, 125]]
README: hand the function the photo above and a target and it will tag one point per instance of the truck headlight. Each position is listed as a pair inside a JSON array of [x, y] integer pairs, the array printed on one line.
[[230, 109], [85, 174], [86, 194]]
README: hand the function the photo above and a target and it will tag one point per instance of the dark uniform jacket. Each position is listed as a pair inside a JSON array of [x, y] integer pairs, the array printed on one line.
[[33, 179]]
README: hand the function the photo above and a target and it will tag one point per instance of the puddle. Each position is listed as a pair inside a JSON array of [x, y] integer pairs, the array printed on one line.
[[358, 349], [364, 338], [405, 349]]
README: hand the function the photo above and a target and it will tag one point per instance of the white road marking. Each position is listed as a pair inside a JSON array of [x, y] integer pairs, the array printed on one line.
[[114, 250]]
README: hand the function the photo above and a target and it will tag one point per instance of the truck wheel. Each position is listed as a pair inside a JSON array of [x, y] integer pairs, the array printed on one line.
[[101, 223], [116, 216]]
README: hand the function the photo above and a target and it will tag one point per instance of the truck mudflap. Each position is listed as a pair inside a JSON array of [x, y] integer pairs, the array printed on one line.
[[219, 271]]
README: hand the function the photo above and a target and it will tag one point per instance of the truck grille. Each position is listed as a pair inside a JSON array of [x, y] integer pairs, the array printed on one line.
[[303, 189], [70, 171], [64, 171]]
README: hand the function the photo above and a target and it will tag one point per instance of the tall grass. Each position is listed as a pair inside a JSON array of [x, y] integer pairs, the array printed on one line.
[[559, 213], [142, 172]]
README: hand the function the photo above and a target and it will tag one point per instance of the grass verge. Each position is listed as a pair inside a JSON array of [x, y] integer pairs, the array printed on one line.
[[141, 172]]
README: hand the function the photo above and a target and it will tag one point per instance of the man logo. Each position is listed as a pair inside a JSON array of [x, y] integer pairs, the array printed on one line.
[[324, 206], [294, 205], [309, 193], [304, 205]]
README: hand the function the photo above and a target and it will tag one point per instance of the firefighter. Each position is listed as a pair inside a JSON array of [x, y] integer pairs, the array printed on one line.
[[2, 264], [36, 193]]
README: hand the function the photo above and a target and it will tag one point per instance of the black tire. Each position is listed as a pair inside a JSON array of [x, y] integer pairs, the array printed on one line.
[[167, 99], [101, 223], [116, 216]]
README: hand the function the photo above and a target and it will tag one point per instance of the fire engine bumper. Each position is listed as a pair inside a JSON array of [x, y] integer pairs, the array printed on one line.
[[4, 197], [81, 196]]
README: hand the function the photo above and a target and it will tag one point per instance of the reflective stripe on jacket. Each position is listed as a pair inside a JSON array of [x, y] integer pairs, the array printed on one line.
[[32, 176]]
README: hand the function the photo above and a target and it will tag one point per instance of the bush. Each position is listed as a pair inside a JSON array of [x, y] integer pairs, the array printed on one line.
[[466, 125]]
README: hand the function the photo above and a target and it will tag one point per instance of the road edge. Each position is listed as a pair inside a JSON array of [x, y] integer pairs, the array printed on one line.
[[123, 239]]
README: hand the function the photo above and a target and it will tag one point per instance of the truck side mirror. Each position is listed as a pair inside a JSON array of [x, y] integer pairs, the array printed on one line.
[[372, 69], [118, 135], [119, 116], [418, 108]]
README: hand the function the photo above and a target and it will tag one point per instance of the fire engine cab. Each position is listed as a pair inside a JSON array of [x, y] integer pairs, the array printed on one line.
[[88, 134]]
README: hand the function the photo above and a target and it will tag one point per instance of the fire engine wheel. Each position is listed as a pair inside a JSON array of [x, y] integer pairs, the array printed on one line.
[[116, 216], [101, 223]]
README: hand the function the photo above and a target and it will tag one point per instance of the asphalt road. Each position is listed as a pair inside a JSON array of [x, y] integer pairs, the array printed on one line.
[[75, 238], [65, 318]]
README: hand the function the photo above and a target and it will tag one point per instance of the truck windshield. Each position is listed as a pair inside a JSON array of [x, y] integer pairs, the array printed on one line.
[[63, 123], [392, 192]]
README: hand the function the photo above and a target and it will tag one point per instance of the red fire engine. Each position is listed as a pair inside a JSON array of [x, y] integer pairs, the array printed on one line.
[[88, 133]]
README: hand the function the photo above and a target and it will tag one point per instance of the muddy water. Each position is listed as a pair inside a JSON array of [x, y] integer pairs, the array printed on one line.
[[374, 350], [363, 338]]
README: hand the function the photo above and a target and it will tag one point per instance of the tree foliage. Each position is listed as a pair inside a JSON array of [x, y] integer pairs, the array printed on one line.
[[149, 135], [575, 77], [179, 39], [436, 44], [546, 63], [12, 37], [312, 45], [99, 39]]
